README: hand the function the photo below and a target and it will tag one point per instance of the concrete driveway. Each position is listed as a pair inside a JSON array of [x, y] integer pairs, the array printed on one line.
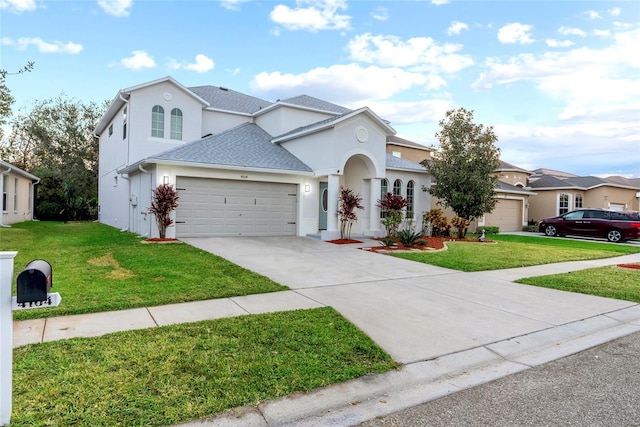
[[419, 312]]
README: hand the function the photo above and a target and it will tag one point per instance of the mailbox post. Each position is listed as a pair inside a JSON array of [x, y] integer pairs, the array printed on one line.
[[6, 335]]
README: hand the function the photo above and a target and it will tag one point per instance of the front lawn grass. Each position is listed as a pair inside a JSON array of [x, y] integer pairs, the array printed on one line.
[[509, 251], [173, 374], [611, 282], [98, 268]]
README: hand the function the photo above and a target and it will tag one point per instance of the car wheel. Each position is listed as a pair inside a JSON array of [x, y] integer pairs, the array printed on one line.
[[551, 230], [614, 235]]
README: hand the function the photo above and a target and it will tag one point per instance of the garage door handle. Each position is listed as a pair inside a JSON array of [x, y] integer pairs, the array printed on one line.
[[181, 222], [291, 222]]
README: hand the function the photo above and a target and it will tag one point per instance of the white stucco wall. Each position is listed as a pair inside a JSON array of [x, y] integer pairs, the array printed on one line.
[[284, 119], [214, 122]]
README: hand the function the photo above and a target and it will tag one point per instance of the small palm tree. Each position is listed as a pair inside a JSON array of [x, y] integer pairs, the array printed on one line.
[[165, 200]]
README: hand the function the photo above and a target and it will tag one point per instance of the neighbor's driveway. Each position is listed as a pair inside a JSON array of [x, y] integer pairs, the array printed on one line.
[[417, 311]]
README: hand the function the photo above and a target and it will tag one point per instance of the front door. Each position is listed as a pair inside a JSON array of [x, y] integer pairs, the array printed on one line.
[[323, 206]]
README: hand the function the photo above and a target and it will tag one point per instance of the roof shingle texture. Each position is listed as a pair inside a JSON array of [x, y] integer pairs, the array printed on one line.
[[246, 145], [229, 100], [315, 103], [394, 162]]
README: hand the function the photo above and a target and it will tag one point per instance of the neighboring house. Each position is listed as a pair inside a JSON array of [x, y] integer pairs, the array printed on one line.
[[18, 194], [244, 166], [512, 207], [560, 192]]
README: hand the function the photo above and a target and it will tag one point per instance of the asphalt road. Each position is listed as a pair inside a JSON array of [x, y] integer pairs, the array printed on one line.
[[597, 387]]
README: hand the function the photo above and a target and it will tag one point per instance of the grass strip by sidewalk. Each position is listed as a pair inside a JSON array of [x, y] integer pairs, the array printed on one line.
[[98, 268], [611, 282], [173, 374], [510, 251]]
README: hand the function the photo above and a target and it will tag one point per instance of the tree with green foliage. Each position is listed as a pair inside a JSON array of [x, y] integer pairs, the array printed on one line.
[[55, 141], [6, 99], [464, 168]]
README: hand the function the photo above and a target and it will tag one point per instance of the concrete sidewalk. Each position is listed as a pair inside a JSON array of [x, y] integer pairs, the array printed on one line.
[[450, 330]]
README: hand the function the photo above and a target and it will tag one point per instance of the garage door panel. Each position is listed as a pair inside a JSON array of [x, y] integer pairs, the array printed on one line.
[[507, 215], [213, 207]]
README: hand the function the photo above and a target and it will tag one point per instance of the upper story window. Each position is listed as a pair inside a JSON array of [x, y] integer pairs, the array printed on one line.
[[578, 201], [176, 124], [410, 188], [124, 123], [157, 121], [563, 204], [397, 187]]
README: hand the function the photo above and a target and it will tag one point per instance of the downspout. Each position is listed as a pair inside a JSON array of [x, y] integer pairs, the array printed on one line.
[[5, 173], [128, 120]]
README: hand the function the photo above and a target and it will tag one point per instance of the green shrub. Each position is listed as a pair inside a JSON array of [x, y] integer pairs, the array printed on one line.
[[530, 228], [408, 237], [489, 229]]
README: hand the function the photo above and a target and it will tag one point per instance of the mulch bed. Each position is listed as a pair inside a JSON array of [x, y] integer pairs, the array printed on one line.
[[343, 241], [430, 243], [159, 240], [634, 265]]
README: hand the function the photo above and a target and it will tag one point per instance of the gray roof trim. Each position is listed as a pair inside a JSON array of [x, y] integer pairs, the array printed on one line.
[[503, 187], [396, 163], [583, 183], [9, 166], [505, 166], [396, 140], [229, 100], [244, 146], [331, 122], [307, 103]]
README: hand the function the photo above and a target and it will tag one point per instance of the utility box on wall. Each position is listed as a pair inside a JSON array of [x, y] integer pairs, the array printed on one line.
[[34, 282]]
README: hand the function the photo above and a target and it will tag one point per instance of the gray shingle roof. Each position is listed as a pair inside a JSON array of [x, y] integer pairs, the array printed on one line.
[[503, 186], [394, 162], [315, 103], [548, 181], [246, 145], [229, 100], [313, 125]]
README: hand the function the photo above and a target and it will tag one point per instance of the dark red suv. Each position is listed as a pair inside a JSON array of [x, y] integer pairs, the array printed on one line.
[[612, 225]]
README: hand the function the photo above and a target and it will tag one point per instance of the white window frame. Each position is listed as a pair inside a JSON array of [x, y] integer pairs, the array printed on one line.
[[176, 124], [411, 188], [157, 121]]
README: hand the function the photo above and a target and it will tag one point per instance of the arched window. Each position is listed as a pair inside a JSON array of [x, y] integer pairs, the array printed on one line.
[[384, 188], [410, 187], [397, 187], [578, 201], [176, 123], [157, 121]]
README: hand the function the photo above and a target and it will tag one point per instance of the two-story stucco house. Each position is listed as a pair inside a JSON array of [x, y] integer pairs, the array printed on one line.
[[244, 166]]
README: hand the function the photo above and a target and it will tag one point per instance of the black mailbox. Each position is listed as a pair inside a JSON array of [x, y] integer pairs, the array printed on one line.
[[34, 282]]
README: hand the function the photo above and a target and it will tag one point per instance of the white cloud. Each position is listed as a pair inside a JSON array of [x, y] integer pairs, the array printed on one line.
[[351, 84], [423, 53], [119, 8], [515, 33], [602, 33], [232, 4], [566, 31], [592, 14], [138, 60], [558, 43], [615, 11], [599, 84], [456, 28], [23, 43], [202, 64], [18, 6], [312, 15], [380, 14], [401, 113], [439, 2]]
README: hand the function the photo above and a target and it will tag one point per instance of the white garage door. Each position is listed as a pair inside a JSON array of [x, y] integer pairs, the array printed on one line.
[[217, 207], [507, 215]]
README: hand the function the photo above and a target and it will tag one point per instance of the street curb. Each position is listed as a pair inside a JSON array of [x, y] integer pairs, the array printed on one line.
[[362, 399]]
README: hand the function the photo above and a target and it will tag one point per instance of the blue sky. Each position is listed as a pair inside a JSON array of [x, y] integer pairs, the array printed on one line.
[[558, 80]]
